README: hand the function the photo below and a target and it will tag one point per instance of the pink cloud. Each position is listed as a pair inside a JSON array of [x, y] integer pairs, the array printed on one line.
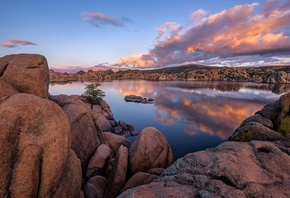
[[99, 19], [196, 15], [15, 42], [239, 31]]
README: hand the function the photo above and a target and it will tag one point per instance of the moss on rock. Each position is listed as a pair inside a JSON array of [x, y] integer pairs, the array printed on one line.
[[284, 127], [245, 136]]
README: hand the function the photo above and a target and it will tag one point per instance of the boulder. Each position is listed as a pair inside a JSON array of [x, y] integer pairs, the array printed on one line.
[[35, 142], [27, 73], [104, 105], [71, 181], [7, 90], [115, 141], [3, 65], [85, 139], [138, 99], [149, 150], [139, 179], [99, 160], [95, 187], [117, 177], [100, 119], [232, 169], [255, 131]]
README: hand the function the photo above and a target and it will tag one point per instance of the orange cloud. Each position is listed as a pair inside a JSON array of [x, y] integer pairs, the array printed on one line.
[[239, 31]]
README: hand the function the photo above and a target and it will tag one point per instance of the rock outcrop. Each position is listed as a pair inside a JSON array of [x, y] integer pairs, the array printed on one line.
[[268, 74]]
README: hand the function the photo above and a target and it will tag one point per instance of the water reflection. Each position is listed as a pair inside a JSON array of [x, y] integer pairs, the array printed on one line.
[[192, 115]]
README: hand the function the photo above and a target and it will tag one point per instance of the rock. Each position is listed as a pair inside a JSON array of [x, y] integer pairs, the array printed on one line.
[[118, 130], [27, 73], [115, 141], [122, 124], [156, 171], [102, 122], [132, 130], [85, 139], [255, 131], [161, 189], [149, 150], [7, 90], [271, 111], [71, 181], [232, 169], [258, 118], [133, 98], [117, 177], [138, 99], [139, 179], [104, 105], [35, 142], [3, 65], [99, 160], [285, 103], [95, 187]]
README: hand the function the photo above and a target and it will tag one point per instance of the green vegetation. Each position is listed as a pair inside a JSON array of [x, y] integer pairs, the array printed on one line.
[[284, 127], [245, 136], [93, 94]]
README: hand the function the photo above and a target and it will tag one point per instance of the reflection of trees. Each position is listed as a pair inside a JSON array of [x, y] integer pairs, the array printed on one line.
[[235, 86]]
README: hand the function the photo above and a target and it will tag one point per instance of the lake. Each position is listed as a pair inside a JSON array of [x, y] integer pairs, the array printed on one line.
[[192, 115]]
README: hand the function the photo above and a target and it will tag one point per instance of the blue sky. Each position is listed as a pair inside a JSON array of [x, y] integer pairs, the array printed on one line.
[[147, 34]]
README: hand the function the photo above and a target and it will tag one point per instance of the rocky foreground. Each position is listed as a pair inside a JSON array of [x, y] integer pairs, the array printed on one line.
[[58, 146], [269, 74]]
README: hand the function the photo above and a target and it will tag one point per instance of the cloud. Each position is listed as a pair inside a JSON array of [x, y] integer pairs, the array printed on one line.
[[196, 15], [11, 43], [99, 19], [237, 32]]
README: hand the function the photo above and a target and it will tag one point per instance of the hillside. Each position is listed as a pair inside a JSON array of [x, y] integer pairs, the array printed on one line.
[[269, 74]]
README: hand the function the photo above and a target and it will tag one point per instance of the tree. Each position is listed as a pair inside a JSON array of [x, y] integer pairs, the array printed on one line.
[[93, 94]]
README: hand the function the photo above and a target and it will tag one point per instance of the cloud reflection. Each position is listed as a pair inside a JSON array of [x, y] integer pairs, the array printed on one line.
[[202, 108]]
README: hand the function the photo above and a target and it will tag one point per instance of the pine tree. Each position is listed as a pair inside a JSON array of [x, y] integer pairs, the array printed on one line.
[[93, 94]]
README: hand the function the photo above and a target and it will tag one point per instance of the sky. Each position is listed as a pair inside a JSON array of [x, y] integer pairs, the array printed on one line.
[[92, 34]]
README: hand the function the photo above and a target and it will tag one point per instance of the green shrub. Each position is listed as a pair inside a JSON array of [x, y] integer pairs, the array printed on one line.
[[93, 94]]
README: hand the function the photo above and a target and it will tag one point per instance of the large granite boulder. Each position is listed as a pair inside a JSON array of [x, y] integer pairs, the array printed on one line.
[[6, 90], [97, 164], [232, 169], [27, 73], [85, 138], [115, 141], [71, 181], [117, 177], [35, 141], [149, 150]]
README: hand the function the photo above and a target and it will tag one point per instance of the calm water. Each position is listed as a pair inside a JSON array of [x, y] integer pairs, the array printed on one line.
[[192, 115]]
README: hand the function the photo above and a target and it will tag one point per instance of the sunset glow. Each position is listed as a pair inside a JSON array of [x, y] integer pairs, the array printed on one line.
[[131, 34]]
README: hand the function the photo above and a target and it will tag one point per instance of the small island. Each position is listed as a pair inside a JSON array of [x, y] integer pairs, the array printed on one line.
[[138, 99]]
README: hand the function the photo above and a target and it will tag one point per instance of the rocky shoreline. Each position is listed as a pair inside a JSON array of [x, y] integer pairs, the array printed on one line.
[[58, 146], [270, 74]]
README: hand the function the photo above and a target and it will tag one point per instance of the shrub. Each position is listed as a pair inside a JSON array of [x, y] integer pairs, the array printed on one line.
[[93, 94]]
